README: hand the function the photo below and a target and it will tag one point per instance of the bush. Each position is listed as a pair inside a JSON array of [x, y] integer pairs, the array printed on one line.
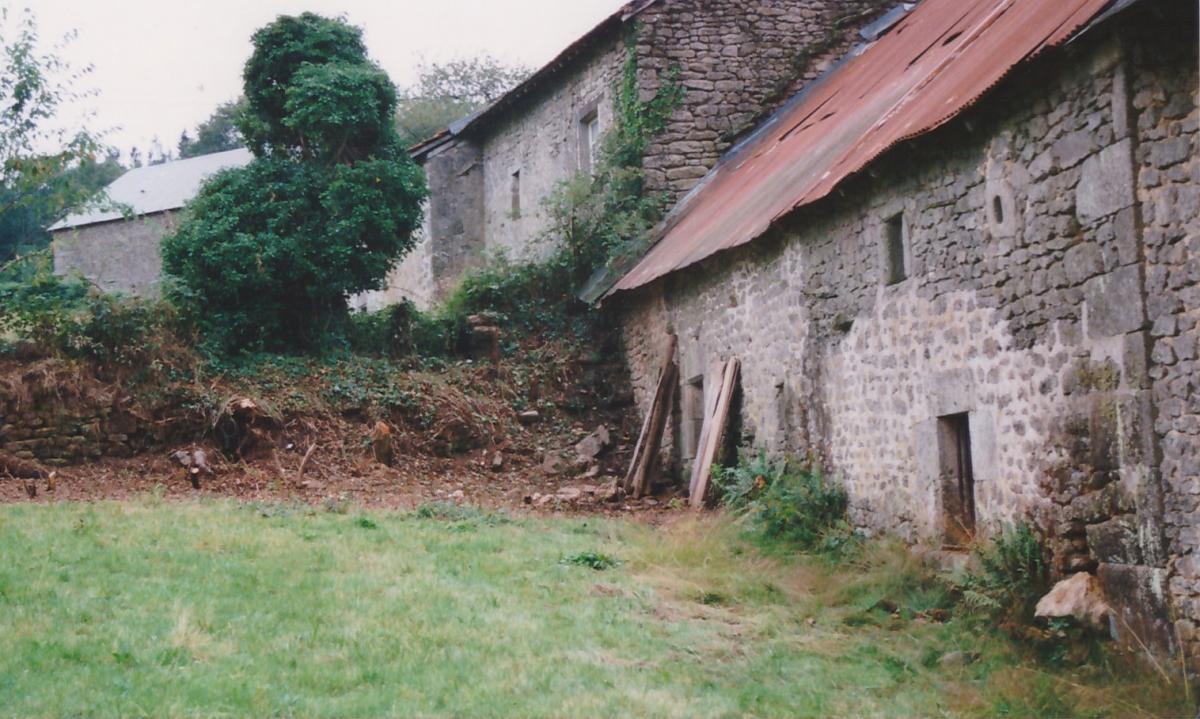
[[268, 253], [387, 332], [69, 318], [1012, 577], [785, 502]]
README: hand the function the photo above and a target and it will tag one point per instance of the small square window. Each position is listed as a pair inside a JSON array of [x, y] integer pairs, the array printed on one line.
[[895, 250]]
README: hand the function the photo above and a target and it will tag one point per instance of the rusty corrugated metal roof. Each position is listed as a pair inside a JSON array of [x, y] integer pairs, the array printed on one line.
[[935, 62]]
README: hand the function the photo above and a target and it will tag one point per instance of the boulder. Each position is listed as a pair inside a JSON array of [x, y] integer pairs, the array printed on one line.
[[591, 446], [1078, 596], [569, 494], [553, 463]]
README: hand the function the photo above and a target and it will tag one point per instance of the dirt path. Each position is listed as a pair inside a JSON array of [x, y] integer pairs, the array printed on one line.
[[331, 476]]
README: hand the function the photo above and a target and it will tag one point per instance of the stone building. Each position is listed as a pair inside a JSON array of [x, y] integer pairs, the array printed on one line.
[[735, 60], [116, 246], [962, 269]]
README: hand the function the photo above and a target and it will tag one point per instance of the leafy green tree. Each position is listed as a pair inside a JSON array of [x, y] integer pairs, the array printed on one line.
[[23, 225], [216, 134], [268, 253], [45, 168], [449, 91]]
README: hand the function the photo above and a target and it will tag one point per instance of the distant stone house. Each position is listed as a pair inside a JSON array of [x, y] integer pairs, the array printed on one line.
[[489, 173], [962, 270], [116, 247]]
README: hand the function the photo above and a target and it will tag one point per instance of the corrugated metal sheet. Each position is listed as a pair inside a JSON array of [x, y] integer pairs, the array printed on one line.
[[156, 188], [936, 61]]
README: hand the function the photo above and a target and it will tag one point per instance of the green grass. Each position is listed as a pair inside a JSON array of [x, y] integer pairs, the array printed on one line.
[[222, 609]]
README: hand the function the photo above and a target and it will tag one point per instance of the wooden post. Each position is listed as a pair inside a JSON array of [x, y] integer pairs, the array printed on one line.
[[710, 399]]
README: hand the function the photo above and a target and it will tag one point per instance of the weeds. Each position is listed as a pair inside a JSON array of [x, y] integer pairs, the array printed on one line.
[[592, 560], [786, 504], [69, 318], [1013, 576], [459, 513]]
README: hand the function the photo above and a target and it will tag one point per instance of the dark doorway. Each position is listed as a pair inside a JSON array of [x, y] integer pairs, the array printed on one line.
[[957, 479]]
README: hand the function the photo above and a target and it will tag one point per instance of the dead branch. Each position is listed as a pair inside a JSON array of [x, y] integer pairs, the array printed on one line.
[[304, 462]]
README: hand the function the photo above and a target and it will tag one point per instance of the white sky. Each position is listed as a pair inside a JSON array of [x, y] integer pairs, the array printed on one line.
[[162, 66]]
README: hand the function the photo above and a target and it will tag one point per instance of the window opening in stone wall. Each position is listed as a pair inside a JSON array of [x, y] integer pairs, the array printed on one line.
[[997, 210], [516, 194], [894, 249], [693, 418], [957, 479], [589, 141]]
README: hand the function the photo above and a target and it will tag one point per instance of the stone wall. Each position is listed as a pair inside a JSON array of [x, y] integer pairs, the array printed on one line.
[[1167, 164], [540, 145], [46, 415], [1024, 310], [118, 256], [736, 59]]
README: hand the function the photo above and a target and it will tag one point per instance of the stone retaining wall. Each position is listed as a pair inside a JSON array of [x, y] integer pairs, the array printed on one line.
[[60, 433], [60, 414]]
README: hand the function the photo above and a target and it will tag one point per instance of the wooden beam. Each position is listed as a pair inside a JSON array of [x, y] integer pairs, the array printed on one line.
[[648, 442], [713, 382], [712, 442]]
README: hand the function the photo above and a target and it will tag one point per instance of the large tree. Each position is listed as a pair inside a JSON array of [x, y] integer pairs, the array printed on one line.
[[268, 253], [46, 166], [216, 134], [445, 92]]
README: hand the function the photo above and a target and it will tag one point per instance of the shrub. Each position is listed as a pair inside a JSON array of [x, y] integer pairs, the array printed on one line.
[[1013, 575], [268, 253], [69, 318], [785, 502], [387, 332]]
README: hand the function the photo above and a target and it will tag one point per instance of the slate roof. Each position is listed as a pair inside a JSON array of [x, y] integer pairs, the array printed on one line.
[[157, 188]]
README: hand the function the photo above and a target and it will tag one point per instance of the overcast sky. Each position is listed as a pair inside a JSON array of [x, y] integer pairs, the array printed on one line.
[[161, 66]]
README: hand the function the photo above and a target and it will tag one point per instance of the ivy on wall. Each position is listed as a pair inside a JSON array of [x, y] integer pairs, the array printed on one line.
[[604, 215]]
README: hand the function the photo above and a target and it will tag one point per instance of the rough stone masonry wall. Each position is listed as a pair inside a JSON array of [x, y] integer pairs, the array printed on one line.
[[1168, 174], [1024, 308], [541, 141], [59, 427], [119, 256], [736, 61]]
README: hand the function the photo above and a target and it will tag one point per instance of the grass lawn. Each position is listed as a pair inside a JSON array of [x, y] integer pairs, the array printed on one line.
[[225, 609]]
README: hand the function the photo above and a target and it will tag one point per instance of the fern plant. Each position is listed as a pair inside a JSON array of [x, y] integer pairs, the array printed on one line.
[[1013, 575], [786, 503]]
